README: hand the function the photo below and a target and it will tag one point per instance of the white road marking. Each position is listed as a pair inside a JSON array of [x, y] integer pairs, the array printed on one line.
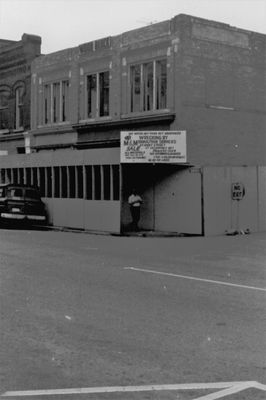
[[236, 386], [150, 271], [225, 392]]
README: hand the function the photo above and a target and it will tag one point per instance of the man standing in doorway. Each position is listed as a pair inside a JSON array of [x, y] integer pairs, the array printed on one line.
[[134, 202]]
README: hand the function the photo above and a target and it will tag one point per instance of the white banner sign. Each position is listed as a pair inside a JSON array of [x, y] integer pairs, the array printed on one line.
[[153, 147]]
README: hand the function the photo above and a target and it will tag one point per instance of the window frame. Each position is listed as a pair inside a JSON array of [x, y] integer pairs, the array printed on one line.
[[144, 94], [19, 104], [99, 95], [5, 108], [56, 102]]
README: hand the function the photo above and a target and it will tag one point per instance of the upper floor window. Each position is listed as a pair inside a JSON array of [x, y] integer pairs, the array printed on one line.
[[56, 102], [97, 95], [19, 96], [4, 111], [148, 86]]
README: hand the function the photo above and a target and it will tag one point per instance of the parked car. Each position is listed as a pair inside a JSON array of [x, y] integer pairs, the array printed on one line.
[[21, 203]]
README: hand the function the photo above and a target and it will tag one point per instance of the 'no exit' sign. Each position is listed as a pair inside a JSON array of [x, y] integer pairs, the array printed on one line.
[[238, 191]]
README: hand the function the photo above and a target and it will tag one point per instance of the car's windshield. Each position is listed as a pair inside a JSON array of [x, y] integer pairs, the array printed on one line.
[[32, 194], [15, 192]]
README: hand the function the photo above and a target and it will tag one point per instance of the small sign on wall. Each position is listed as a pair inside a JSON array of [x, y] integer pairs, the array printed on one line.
[[153, 147], [238, 191]]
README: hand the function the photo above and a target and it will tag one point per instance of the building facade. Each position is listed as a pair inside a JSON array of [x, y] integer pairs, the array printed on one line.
[[15, 92], [185, 74]]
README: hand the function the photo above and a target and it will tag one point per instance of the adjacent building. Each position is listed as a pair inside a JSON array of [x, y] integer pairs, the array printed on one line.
[[204, 79], [15, 92]]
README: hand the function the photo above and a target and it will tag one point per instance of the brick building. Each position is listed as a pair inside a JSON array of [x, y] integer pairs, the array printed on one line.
[[187, 74], [15, 84]]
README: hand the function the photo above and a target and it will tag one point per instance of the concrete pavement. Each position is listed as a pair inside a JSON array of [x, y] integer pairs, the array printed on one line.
[[81, 311]]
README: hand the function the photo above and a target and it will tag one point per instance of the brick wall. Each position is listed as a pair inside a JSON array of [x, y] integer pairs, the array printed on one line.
[[222, 80], [15, 70], [216, 85]]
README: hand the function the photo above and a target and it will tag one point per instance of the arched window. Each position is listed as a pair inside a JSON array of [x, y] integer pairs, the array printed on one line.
[[4, 104], [19, 97]]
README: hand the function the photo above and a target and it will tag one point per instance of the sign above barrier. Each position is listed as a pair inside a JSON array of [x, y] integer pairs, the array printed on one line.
[[154, 147]]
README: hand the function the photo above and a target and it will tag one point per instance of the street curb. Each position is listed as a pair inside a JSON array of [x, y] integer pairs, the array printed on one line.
[[144, 234]]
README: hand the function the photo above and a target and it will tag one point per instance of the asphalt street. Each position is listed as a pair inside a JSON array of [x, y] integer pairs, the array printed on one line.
[[80, 310]]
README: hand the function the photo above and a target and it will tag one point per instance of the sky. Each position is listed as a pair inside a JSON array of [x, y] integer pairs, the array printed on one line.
[[68, 23]]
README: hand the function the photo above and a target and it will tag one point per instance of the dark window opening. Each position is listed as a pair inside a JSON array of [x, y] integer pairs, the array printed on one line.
[[47, 104], [72, 182], [65, 101], [21, 175], [19, 107], [104, 93], [4, 112], [91, 95], [161, 84], [42, 181], [135, 80], [80, 181], [56, 182], [56, 102], [64, 182], [49, 181], [116, 182], [8, 173], [88, 170], [148, 86], [15, 175], [34, 177], [28, 176], [106, 182], [97, 182]]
